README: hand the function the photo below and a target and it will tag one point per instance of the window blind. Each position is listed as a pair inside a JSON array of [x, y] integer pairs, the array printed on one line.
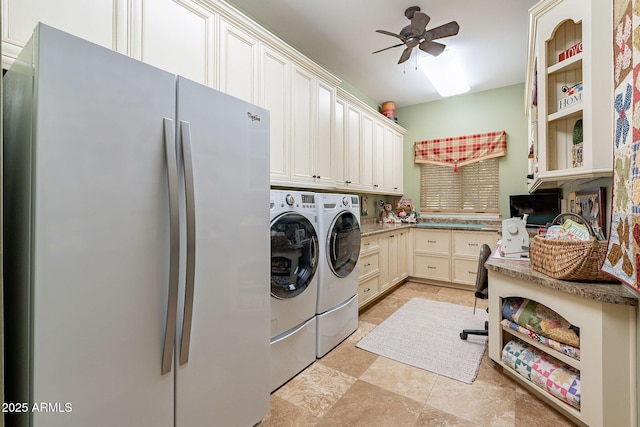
[[474, 188]]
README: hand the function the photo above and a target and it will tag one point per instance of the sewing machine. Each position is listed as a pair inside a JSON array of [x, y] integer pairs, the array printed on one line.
[[515, 238]]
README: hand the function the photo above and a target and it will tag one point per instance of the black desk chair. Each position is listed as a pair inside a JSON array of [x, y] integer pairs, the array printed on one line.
[[482, 291]]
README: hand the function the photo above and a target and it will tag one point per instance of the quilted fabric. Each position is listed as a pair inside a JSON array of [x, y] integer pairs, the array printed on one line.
[[551, 375], [570, 351], [623, 252], [541, 319]]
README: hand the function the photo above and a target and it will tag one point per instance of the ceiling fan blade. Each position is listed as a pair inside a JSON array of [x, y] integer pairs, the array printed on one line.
[[389, 33], [446, 30], [432, 48], [390, 47], [420, 21], [405, 55]]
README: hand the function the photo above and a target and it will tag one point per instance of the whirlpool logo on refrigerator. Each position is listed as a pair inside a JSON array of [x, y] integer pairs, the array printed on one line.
[[253, 117]]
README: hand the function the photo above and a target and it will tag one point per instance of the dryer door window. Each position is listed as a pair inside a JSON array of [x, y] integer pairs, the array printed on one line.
[[343, 247], [294, 255]]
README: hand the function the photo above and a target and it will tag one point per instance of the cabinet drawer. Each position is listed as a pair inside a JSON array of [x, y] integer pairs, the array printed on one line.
[[433, 241], [432, 267], [367, 289], [468, 243], [465, 271], [369, 243], [369, 263]]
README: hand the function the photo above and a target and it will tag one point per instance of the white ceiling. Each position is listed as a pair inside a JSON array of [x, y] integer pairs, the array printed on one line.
[[340, 35]]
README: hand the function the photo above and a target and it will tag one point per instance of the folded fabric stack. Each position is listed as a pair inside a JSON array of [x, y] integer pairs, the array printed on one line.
[[541, 320], [570, 351], [556, 378]]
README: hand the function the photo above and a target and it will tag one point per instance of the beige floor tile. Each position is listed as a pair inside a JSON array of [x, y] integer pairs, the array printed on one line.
[[406, 380], [415, 290], [363, 329], [349, 359], [482, 403], [377, 313], [532, 411], [316, 389], [285, 414], [432, 417], [460, 296], [368, 405]]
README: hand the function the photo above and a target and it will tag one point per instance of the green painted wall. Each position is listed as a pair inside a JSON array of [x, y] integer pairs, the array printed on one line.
[[488, 111]]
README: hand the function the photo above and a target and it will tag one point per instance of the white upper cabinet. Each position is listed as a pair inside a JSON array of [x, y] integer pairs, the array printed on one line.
[[571, 43], [275, 97], [103, 22], [311, 115], [367, 145], [317, 139], [372, 147], [177, 36], [238, 63]]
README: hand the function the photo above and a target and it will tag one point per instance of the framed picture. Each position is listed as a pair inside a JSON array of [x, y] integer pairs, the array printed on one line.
[[590, 205]]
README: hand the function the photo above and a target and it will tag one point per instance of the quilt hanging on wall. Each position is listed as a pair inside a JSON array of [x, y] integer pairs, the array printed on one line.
[[623, 253]]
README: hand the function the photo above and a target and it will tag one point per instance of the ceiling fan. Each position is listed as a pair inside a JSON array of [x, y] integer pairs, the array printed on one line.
[[416, 34]]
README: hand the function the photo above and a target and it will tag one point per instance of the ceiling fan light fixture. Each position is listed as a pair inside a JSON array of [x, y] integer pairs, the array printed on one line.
[[445, 73]]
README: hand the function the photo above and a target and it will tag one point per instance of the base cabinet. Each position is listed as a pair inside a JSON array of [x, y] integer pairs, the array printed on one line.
[[383, 263], [449, 255], [607, 362]]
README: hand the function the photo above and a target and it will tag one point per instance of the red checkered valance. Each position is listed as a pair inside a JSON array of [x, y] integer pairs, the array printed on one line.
[[461, 150]]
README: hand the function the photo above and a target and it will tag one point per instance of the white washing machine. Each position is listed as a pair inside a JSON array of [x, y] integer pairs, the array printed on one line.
[[294, 283], [338, 271]]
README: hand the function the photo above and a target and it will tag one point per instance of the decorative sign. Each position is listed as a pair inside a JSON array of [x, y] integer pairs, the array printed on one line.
[[572, 51], [573, 96]]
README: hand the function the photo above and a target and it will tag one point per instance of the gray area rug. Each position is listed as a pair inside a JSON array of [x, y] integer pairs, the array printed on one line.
[[426, 334]]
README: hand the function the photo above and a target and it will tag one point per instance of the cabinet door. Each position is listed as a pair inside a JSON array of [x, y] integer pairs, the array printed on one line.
[[385, 254], [176, 36], [339, 153], [324, 135], [403, 261], [398, 163], [302, 99], [274, 87], [433, 242], [394, 276], [366, 153], [238, 63], [93, 20], [432, 267], [380, 164], [352, 169]]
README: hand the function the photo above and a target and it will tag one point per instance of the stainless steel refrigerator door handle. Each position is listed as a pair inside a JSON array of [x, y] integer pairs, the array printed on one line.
[[185, 131], [174, 245]]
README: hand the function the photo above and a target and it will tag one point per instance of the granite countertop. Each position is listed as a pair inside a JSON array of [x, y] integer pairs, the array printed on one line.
[[613, 293], [368, 228]]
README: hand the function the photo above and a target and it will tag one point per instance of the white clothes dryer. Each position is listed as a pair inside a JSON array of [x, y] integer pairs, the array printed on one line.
[[337, 307], [294, 283]]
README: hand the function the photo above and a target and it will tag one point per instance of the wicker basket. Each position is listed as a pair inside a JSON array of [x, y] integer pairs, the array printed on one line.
[[570, 260]]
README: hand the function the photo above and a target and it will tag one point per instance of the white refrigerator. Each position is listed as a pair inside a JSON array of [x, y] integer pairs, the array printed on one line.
[[136, 244]]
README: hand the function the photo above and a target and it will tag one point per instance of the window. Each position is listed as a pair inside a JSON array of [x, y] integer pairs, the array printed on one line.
[[474, 188]]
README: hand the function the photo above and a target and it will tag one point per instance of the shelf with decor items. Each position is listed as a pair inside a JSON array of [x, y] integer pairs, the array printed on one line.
[[603, 354], [566, 101]]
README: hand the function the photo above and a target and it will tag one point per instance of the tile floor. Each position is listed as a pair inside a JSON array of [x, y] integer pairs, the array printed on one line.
[[352, 387]]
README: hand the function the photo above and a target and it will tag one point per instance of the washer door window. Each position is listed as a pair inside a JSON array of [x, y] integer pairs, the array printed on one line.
[[343, 247], [294, 255]]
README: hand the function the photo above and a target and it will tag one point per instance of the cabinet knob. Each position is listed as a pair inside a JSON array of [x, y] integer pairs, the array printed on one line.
[[375, 185], [367, 264], [473, 244], [314, 176], [367, 290]]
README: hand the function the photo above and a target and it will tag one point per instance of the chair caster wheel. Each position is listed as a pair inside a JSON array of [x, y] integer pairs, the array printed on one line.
[[463, 336]]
